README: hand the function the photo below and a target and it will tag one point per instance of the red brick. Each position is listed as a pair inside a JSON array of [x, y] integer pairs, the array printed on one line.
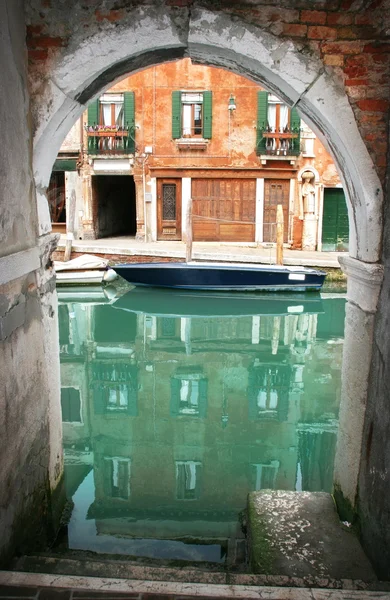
[[377, 48], [339, 19], [357, 82], [48, 42], [356, 71], [34, 55], [342, 47], [321, 33], [178, 2], [364, 19], [33, 30], [112, 15], [334, 60], [294, 30], [347, 33], [373, 105], [371, 118], [317, 17]]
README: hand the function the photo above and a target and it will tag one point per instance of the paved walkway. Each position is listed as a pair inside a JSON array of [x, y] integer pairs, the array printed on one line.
[[128, 246], [35, 586]]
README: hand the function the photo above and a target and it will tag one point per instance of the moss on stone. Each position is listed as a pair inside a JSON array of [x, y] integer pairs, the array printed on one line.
[[261, 554]]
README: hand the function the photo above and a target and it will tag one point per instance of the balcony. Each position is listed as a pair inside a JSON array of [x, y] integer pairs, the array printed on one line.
[[282, 144], [108, 140]]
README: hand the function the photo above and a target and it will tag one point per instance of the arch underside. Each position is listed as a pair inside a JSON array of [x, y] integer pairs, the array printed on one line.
[[153, 36]]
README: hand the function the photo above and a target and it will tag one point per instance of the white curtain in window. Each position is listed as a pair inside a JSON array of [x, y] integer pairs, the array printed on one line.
[[123, 395], [184, 390], [272, 116], [194, 393], [119, 115], [107, 114], [283, 116], [262, 399], [187, 119]]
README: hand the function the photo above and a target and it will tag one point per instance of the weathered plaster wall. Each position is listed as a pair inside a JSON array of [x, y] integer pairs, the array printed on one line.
[[374, 483], [31, 463]]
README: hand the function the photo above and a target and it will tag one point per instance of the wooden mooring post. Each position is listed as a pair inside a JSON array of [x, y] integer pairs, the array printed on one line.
[[189, 233], [279, 234], [70, 226]]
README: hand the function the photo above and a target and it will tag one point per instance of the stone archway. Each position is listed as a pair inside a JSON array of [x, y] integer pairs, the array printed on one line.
[[145, 36]]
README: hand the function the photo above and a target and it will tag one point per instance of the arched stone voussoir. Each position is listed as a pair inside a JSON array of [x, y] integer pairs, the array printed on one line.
[[326, 108], [154, 34]]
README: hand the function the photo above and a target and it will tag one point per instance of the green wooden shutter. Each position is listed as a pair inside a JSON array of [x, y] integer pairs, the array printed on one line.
[[203, 384], [129, 120], [295, 126], [93, 113], [175, 397], [262, 121], [207, 114], [176, 115], [99, 395]]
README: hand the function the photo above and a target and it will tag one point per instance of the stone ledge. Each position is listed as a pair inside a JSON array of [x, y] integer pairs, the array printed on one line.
[[62, 587], [19, 264]]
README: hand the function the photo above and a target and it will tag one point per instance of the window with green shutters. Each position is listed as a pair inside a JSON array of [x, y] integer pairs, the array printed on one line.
[[191, 115], [278, 127], [112, 114]]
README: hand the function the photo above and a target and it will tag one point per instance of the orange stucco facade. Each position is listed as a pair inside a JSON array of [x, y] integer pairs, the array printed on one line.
[[232, 186]]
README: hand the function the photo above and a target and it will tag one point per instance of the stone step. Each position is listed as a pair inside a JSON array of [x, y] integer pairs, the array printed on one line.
[[86, 564], [90, 565], [299, 534]]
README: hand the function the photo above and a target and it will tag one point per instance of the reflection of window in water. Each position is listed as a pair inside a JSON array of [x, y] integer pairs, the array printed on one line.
[[267, 397], [168, 327], [70, 405], [188, 480], [117, 477], [118, 397], [264, 475], [189, 397], [189, 393]]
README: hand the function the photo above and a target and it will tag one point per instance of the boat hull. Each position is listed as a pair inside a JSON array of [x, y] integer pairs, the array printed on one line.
[[221, 277], [190, 303]]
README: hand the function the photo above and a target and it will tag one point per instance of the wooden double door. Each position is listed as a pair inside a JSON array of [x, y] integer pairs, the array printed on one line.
[[276, 191], [223, 210]]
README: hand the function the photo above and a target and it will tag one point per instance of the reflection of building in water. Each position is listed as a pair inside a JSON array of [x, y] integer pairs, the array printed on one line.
[[185, 416]]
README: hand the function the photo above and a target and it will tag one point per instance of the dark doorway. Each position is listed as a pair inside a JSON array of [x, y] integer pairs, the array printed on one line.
[[114, 204]]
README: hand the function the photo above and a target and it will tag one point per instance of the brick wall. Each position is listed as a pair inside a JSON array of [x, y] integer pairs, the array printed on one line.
[[350, 37]]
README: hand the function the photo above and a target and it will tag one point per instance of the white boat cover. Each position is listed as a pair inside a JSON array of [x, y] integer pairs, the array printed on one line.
[[82, 263]]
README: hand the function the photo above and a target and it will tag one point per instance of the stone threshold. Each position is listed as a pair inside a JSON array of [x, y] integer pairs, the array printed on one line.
[[66, 587]]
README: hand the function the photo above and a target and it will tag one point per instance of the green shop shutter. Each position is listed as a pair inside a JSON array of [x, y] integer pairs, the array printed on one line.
[[65, 164], [262, 121], [176, 115], [93, 113], [129, 119], [207, 114], [295, 126]]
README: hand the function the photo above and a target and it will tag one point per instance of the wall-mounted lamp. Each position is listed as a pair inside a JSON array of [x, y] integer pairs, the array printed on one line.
[[232, 103]]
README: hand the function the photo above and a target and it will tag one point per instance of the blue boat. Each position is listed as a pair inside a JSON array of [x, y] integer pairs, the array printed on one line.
[[222, 276]]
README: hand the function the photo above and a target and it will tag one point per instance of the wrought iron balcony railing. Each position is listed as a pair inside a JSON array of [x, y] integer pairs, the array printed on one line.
[[284, 142], [104, 139]]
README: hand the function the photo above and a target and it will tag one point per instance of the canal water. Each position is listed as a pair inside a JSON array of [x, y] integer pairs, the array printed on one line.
[[176, 405]]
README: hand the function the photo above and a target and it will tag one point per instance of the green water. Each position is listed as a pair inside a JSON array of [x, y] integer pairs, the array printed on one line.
[[176, 406]]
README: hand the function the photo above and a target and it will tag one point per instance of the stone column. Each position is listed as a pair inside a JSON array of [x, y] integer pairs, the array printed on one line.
[[140, 202], [364, 282], [88, 229]]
